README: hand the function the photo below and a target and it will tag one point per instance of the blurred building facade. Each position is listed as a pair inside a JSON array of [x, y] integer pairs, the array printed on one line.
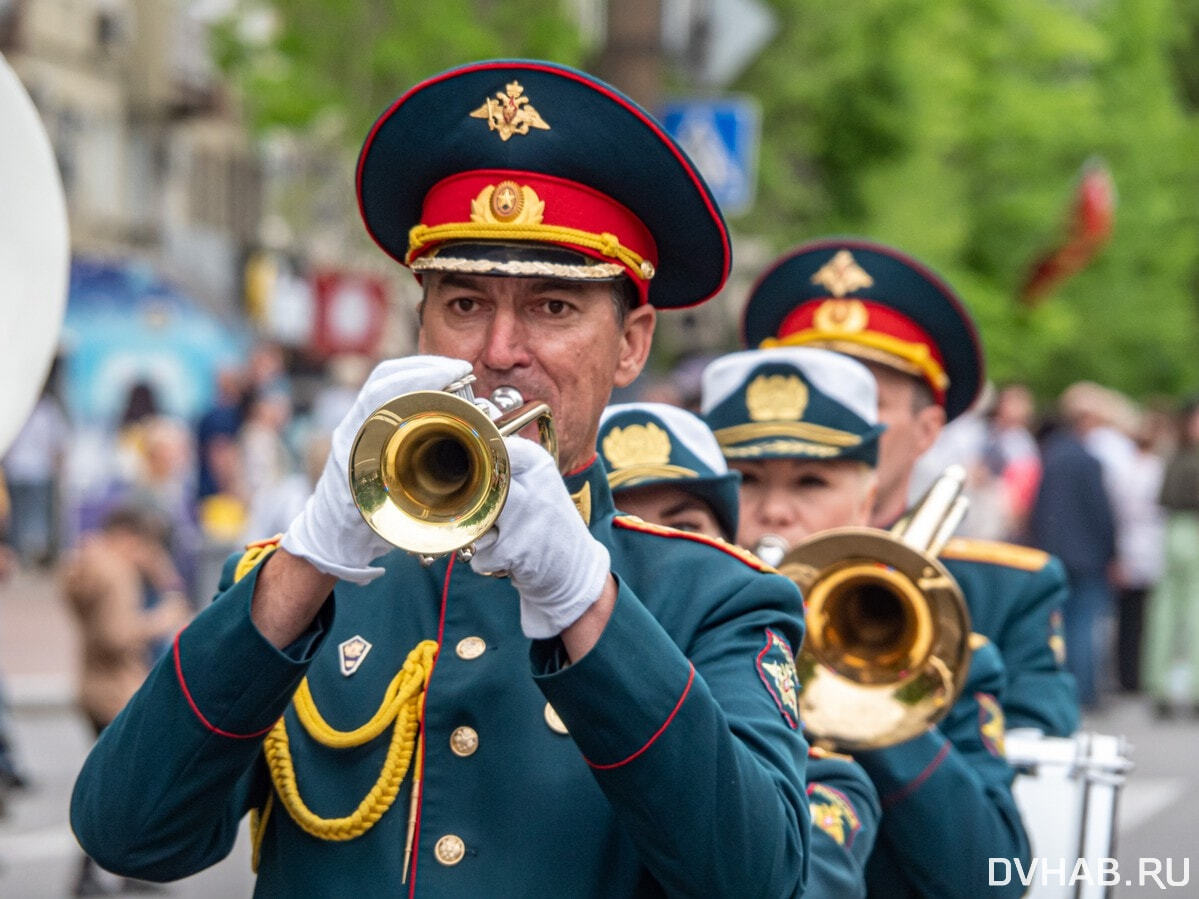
[[156, 162]]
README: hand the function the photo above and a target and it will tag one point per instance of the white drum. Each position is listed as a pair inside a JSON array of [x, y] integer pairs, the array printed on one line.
[[1067, 790]]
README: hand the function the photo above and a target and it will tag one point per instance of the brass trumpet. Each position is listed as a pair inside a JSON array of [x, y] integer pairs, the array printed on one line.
[[429, 470], [887, 646]]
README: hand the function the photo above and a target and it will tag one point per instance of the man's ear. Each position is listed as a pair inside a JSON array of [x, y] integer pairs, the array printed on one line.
[[635, 344], [929, 422]]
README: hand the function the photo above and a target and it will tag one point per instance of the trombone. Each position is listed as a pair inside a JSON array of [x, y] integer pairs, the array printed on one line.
[[887, 646], [429, 471]]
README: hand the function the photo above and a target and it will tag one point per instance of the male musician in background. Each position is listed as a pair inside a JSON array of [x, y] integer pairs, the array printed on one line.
[[802, 427], [662, 762], [665, 466], [886, 309]]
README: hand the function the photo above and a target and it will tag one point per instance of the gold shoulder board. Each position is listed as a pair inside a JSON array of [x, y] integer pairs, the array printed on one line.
[[1010, 554]]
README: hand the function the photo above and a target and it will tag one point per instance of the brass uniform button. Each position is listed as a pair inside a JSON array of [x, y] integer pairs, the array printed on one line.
[[470, 647], [464, 741], [552, 719], [449, 849]]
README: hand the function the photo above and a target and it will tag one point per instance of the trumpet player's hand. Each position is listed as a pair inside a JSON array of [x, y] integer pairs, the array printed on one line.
[[540, 539], [330, 533]]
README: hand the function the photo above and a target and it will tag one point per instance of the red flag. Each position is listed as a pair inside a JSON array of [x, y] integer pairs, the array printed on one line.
[[1088, 228]]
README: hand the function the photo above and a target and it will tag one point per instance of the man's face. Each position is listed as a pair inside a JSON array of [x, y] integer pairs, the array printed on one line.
[[911, 430], [556, 341], [670, 506], [794, 498]]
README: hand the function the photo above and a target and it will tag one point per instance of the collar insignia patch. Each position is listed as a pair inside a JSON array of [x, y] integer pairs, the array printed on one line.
[[841, 274], [510, 112], [351, 653], [833, 813], [582, 501], [776, 668]]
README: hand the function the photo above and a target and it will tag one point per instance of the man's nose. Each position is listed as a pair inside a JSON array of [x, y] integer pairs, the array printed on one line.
[[505, 344]]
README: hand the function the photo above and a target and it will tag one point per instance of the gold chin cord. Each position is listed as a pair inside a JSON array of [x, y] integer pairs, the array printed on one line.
[[429, 470], [887, 646]]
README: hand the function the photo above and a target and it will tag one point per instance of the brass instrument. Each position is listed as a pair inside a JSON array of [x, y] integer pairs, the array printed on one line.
[[429, 470], [887, 646]]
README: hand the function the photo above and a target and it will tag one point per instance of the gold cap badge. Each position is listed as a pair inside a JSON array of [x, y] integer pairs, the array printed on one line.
[[510, 112], [776, 398], [352, 652], [841, 274], [645, 444], [841, 316], [507, 203]]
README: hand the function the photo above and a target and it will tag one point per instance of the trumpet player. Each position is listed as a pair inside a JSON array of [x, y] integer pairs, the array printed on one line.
[[665, 466], [577, 710], [889, 311], [802, 427]]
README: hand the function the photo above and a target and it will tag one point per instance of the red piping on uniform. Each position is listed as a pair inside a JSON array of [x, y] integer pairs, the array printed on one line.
[[581, 468], [420, 800], [724, 546], [658, 733], [553, 70], [914, 785], [187, 694]]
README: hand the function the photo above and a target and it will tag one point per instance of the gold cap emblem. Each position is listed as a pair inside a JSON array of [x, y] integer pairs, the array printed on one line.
[[507, 203], [776, 398], [841, 316], [509, 112], [645, 444], [842, 275]]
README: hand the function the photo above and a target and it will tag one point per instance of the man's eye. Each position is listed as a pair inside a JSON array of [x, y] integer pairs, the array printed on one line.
[[685, 524], [556, 307], [463, 304], [748, 477]]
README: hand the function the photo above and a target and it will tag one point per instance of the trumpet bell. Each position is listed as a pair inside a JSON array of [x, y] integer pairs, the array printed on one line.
[[887, 644], [429, 472]]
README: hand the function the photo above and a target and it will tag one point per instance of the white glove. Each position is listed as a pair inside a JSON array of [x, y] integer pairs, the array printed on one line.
[[540, 539], [330, 532]]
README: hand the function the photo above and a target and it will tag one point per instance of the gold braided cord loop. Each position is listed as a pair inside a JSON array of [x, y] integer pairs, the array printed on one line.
[[401, 703], [254, 554], [605, 243], [258, 819]]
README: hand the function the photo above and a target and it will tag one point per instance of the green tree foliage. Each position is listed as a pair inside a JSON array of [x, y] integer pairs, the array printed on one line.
[[348, 59], [958, 130]]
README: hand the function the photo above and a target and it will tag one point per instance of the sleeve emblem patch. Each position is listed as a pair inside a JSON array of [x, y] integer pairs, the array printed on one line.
[[990, 723], [833, 813], [776, 667]]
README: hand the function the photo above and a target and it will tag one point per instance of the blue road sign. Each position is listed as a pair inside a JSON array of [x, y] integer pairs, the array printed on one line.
[[721, 135]]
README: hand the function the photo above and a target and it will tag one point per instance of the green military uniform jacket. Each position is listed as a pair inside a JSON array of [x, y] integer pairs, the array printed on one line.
[[946, 799], [682, 770], [1016, 595]]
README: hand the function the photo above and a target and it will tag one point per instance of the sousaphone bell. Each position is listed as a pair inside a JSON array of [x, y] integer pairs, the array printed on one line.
[[887, 644], [429, 470]]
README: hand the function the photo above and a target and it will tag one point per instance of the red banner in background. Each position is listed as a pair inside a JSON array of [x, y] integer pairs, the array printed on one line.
[[1088, 227], [350, 310]]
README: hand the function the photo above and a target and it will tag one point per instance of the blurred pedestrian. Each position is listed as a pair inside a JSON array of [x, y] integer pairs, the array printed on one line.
[[218, 427], [32, 467], [1173, 613], [1072, 518], [1140, 543], [1012, 454], [126, 596]]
